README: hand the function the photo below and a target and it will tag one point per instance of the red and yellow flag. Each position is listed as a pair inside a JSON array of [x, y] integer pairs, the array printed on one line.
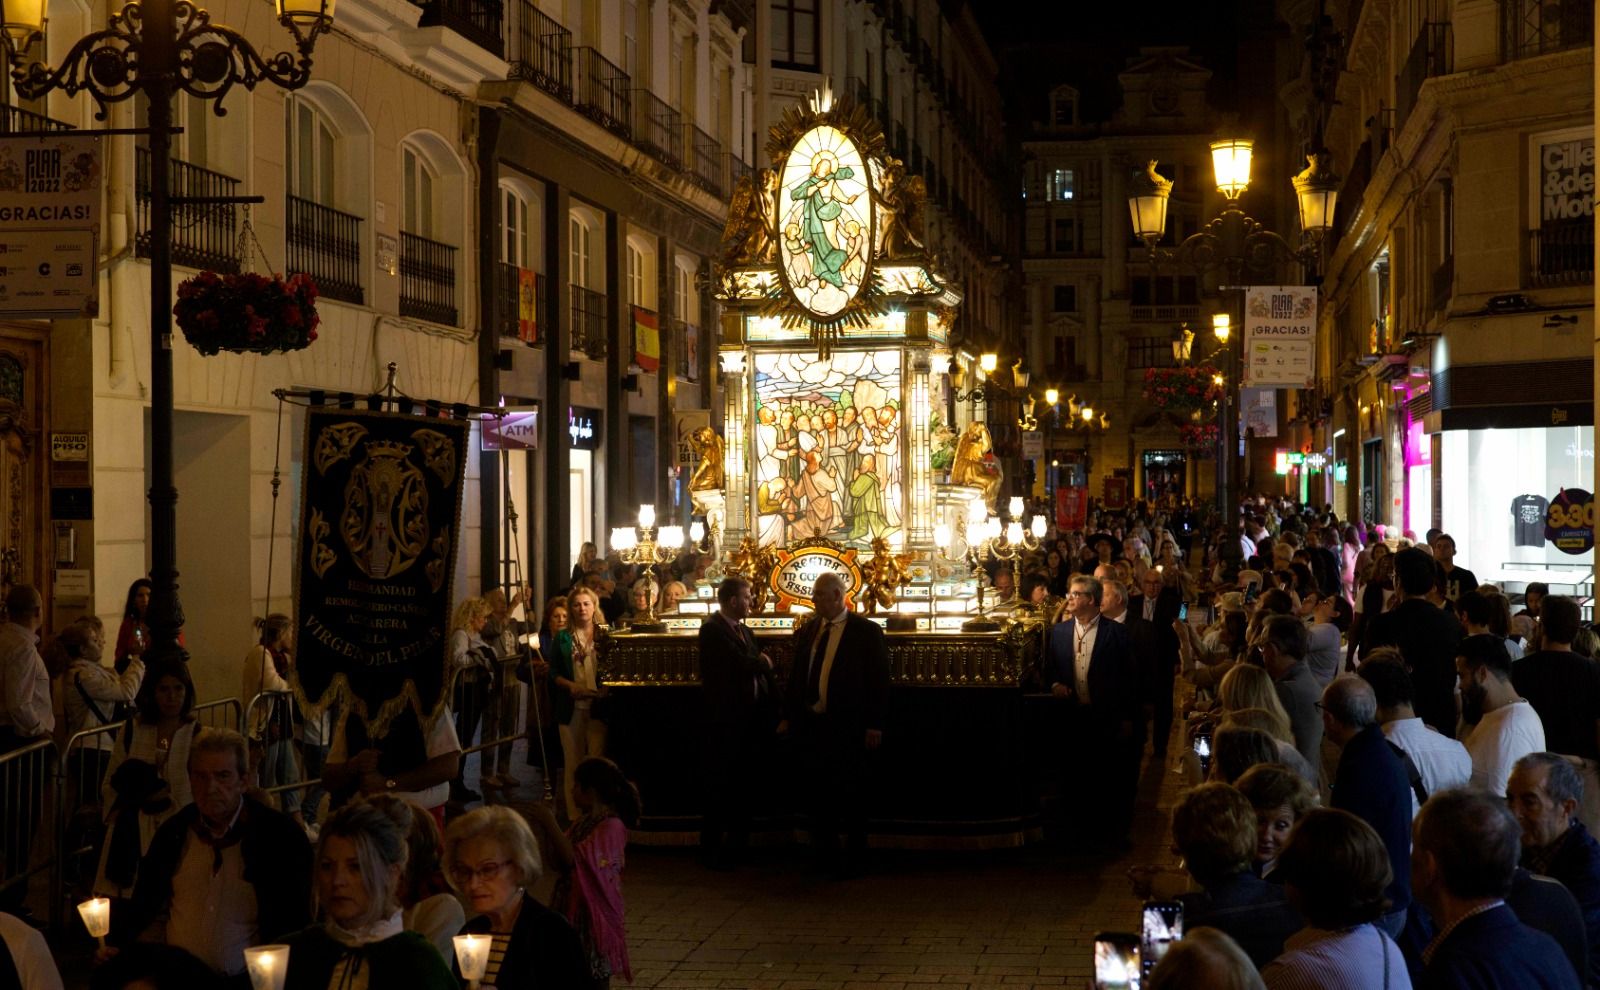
[[646, 339], [527, 306]]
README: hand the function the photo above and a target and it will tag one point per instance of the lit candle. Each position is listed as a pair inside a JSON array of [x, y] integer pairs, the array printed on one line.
[[472, 955], [96, 914], [267, 965]]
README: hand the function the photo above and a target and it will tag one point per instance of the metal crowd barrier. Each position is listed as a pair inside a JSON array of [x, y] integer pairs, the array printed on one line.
[[27, 775]]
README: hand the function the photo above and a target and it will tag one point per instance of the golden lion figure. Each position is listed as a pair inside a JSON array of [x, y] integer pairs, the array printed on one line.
[[886, 573], [975, 466]]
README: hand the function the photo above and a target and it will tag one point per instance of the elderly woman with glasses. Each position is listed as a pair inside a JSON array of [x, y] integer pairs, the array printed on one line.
[[491, 859], [361, 942]]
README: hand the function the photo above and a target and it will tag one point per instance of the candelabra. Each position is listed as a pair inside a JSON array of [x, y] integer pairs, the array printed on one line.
[[644, 544], [1009, 545], [977, 532]]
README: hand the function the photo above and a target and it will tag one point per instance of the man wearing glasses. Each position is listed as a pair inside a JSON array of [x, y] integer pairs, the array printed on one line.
[[1089, 665]]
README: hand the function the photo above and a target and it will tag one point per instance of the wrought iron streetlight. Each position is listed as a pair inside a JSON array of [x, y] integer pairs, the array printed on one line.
[[158, 47]]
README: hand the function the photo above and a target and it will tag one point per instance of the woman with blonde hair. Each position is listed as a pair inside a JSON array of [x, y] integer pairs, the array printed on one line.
[[1249, 686], [362, 941], [430, 909], [575, 687], [472, 664]]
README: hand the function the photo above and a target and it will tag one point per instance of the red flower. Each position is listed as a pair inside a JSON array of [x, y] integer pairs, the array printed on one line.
[[247, 312]]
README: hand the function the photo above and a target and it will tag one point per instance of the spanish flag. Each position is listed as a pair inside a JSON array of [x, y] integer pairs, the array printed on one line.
[[646, 340], [527, 306]]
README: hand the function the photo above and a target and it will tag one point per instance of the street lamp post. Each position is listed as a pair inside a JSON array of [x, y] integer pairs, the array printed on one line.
[[1235, 245], [158, 47]]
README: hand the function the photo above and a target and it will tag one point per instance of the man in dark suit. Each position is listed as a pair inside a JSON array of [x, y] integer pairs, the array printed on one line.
[[1158, 607], [741, 704], [1089, 662], [835, 706], [1427, 637], [1463, 859]]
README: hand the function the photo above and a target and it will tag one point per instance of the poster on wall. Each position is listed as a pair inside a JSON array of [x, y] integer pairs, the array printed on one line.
[[1569, 522], [1258, 413], [49, 225], [379, 528], [1280, 336], [1566, 180]]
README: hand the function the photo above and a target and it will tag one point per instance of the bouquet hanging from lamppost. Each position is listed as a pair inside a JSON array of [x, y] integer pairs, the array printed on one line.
[[1182, 389], [1200, 439], [247, 313]]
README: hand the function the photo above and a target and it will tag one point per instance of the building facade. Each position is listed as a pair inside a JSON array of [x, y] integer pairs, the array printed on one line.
[[1456, 366]]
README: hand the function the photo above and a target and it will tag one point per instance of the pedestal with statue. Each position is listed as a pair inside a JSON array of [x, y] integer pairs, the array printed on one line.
[[839, 452]]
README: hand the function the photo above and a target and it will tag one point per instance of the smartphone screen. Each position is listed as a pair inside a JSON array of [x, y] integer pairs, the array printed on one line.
[[1163, 925], [1116, 961], [1202, 749], [1183, 612]]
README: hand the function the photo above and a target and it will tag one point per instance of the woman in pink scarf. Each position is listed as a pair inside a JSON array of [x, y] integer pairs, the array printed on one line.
[[590, 856]]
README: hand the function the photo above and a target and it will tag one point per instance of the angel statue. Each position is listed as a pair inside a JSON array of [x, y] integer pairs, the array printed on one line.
[[900, 226], [975, 464], [709, 448], [747, 239], [886, 573], [754, 562]]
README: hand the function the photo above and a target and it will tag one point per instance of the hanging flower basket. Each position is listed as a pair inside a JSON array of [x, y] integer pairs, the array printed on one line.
[[1183, 389], [247, 313], [1200, 439]]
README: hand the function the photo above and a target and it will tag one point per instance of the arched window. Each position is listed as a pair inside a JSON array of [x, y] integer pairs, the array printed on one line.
[[580, 229], [635, 275], [432, 208], [418, 197], [520, 221], [313, 151]]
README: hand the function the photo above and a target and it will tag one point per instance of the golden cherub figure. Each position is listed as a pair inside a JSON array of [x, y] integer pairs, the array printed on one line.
[[755, 562], [709, 447], [887, 572]]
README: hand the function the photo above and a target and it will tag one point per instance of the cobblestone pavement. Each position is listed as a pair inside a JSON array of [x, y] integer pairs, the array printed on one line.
[[1014, 918]]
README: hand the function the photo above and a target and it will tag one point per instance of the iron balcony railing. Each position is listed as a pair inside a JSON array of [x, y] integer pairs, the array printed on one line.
[[427, 279], [479, 21], [509, 288], [326, 244], [16, 120], [737, 169], [1562, 252], [1538, 27], [706, 163], [601, 90], [589, 323], [541, 50], [657, 128], [203, 235]]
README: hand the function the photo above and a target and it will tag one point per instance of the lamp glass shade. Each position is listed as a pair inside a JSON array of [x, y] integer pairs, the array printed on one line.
[[1051, 396], [1014, 507], [269, 964], [671, 536], [1148, 192], [1038, 527], [1221, 325], [975, 512], [647, 516], [991, 529], [472, 955], [1088, 414], [23, 18], [1317, 190], [988, 362], [1013, 532], [697, 531], [1230, 160], [306, 10], [624, 538], [96, 915]]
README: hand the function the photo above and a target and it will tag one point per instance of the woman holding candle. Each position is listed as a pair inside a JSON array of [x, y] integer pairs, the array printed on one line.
[[491, 859], [362, 942]]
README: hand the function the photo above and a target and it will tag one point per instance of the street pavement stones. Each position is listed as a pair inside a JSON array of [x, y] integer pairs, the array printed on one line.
[[1005, 918]]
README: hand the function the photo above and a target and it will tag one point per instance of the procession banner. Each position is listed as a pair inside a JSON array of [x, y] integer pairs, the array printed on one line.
[[378, 533], [1280, 336], [50, 185]]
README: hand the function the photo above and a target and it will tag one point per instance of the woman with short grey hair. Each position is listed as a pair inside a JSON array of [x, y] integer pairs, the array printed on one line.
[[361, 859]]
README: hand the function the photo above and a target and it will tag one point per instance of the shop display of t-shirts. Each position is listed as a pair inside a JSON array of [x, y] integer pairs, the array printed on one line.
[[1527, 519]]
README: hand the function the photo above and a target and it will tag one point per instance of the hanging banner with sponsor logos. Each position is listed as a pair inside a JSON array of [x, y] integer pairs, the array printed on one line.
[[1569, 521], [379, 526], [50, 184], [1280, 336]]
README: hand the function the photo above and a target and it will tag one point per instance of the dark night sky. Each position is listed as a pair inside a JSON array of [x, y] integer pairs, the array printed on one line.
[[1086, 42]]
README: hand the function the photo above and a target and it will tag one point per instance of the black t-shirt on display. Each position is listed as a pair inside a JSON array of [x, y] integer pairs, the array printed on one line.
[[1527, 520]]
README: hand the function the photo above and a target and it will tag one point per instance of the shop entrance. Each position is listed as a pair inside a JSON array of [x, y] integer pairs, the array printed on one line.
[[1371, 480], [1165, 475]]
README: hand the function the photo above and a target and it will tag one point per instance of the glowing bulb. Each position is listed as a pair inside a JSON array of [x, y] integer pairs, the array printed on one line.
[[1051, 396], [647, 517], [1014, 507], [988, 362], [1088, 414], [1013, 532], [671, 536], [1038, 527], [697, 531], [1222, 326]]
